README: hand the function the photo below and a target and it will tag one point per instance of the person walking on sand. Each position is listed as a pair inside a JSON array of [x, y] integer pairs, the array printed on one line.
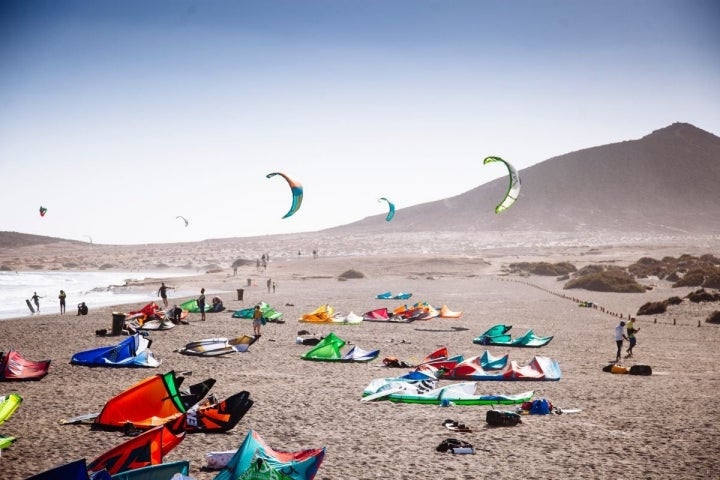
[[201, 304], [619, 337], [257, 320], [631, 331], [274, 285], [162, 293], [36, 300], [62, 301], [269, 284]]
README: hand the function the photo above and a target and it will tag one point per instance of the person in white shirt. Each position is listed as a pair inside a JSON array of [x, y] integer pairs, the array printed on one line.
[[619, 337]]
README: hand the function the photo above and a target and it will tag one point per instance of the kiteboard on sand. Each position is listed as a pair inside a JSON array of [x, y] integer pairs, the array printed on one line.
[[561, 411], [88, 417], [382, 393], [32, 310]]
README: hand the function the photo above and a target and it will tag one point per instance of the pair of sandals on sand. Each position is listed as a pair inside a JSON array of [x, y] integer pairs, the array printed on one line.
[[456, 426]]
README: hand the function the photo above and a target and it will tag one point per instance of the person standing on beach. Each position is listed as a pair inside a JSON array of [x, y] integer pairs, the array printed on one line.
[[36, 300], [631, 331], [257, 320], [269, 284], [162, 293], [201, 304], [619, 337], [62, 301]]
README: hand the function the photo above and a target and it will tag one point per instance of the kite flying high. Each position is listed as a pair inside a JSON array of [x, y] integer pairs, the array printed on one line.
[[391, 212], [297, 192], [513, 187]]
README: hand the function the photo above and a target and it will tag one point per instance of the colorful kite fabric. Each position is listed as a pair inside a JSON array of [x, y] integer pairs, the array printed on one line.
[[391, 206], [154, 401], [162, 470], [131, 352], [13, 367], [328, 350], [75, 470], [295, 465], [513, 187], [43, 211], [297, 192], [146, 449], [8, 405]]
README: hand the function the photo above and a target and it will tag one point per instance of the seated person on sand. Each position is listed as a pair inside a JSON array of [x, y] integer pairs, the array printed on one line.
[[82, 309], [217, 305], [176, 313]]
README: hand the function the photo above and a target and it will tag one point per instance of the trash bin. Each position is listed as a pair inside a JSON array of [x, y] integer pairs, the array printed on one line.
[[240, 292], [118, 323]]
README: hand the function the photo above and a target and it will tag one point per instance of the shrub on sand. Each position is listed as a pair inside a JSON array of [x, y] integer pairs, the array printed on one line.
[[349, 274], [652, 308], [606, 281], [543, 268], [702, 295]]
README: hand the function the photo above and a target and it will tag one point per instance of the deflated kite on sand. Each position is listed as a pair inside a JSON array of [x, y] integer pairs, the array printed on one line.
[[256, 459], [328, 350]]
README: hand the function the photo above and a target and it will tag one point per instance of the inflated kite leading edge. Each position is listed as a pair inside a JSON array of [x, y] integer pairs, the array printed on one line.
[[391, 206], [513, 188], [297, 192]]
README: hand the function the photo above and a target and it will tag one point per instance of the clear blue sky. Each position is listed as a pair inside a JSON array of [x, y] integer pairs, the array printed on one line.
[[119, 116]]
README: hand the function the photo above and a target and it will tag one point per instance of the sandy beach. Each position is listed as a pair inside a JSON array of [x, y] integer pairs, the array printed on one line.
[[661, 426]]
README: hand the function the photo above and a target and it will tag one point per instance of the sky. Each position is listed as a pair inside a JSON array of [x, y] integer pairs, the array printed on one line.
[[120, 116]]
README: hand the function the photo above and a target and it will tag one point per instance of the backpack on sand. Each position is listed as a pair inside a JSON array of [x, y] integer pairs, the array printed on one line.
[[502, 419]]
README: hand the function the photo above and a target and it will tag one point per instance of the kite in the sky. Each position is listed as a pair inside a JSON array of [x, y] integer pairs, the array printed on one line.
[[513, 187], [297, 192], [391, 212], [183, 219], [43, 211]]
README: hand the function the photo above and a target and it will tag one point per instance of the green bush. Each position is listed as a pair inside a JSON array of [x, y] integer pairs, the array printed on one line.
[[606, 281]]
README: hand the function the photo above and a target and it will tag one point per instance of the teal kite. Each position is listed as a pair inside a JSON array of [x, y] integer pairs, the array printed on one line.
[[297, 192], [513, 188], [43, 211], [391, 212]]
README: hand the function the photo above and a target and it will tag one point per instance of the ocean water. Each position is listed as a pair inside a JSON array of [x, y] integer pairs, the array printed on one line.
[[96, 289]]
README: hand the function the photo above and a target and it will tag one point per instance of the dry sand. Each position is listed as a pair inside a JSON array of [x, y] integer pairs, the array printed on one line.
[[662, 426]]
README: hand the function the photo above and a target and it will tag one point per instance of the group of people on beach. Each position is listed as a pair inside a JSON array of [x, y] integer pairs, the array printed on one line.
[[624, 332], [62, 296]]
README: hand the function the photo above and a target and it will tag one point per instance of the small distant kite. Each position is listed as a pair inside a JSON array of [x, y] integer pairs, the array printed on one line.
[[391, 212], [43, 211], [297, 192], [183, 219], [513, 187]]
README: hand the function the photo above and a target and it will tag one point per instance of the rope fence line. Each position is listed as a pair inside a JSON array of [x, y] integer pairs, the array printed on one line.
[[593, 305]]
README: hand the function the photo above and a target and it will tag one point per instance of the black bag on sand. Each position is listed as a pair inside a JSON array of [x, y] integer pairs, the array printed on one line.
[[502, 419], [453, 445], [640, 370]]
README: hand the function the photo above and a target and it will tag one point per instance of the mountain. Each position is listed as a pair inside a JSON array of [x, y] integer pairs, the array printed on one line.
[[665, 182], [16, 240]]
